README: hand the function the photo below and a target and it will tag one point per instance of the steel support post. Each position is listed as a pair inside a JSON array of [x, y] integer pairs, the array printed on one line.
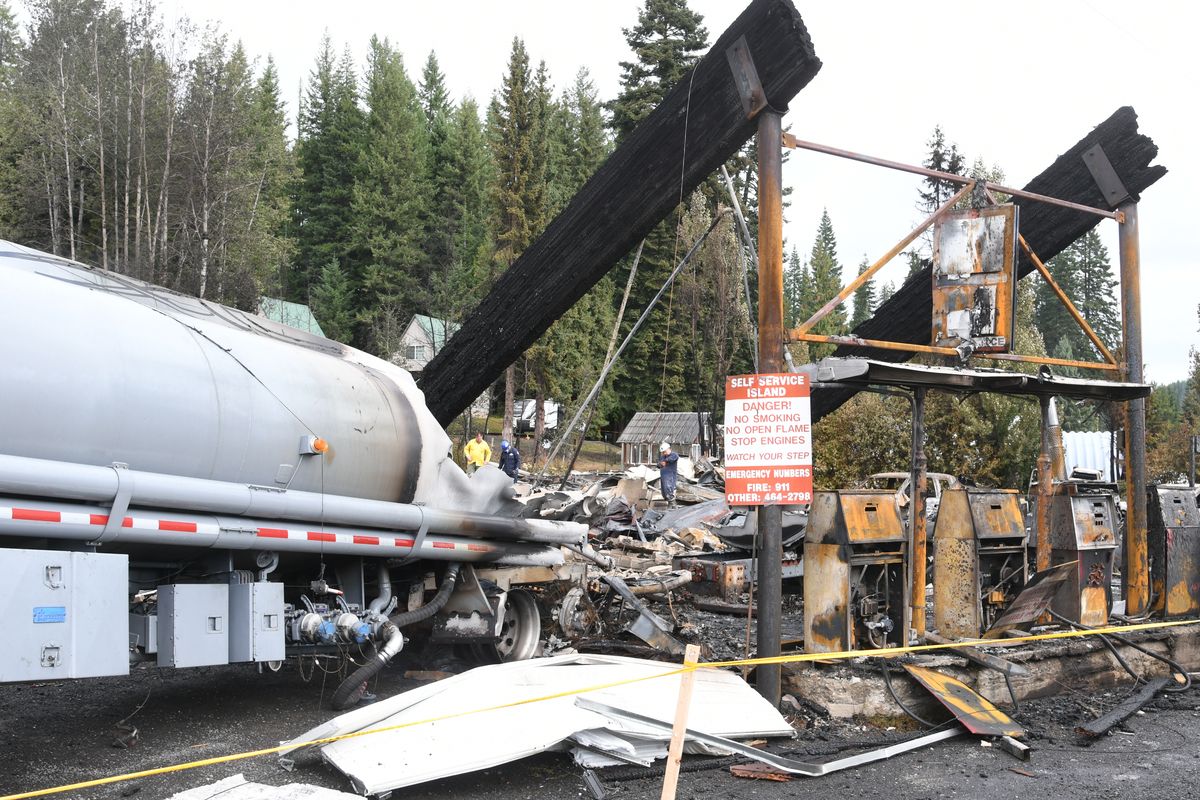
[[1045, 490], [770, 359], [1135, 575], [917, 537]]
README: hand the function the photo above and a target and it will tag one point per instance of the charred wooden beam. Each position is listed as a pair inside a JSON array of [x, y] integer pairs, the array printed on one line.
[[698, 126], [907, 316]]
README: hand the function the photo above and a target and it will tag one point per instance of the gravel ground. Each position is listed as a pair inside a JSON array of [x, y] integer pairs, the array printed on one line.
[[63, 732]]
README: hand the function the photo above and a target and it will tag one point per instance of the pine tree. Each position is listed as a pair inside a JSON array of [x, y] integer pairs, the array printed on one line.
[[389, 201], [826, 278], [467, 217], [666, 42], [516, 126], [330, 128], [1084, 274], [438, 238], [885, 293], [942, 159], [266, 248], [333, 303], [793, 290], [12, 136], [864, 298]]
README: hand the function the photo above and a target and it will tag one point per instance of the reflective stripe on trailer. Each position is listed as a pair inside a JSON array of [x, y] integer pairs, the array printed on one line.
[[365, 540], [100, 520], [369, 540]]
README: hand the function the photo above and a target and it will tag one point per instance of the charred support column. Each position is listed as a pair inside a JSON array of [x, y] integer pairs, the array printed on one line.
[[916, 561], [1045, 488], [1136, 571], [769, 567]]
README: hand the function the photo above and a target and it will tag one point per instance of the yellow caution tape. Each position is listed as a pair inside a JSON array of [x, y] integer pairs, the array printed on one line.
[[688, 667]]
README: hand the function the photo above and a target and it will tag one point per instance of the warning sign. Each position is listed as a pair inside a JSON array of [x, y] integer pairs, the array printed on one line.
[[768, 440]]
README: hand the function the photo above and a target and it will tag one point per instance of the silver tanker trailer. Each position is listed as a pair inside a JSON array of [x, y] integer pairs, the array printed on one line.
[[185, 484]]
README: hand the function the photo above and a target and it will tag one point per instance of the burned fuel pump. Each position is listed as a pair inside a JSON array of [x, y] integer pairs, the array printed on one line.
[[855, 567], [1076, 521], [979, 561], [1174, 543]]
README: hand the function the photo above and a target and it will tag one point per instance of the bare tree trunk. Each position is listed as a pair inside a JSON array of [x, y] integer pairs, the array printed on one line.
[[510, 380], [158, 236], [52, 204], [62, 107], [539, 420], [100, 145], [79, 221], [128, 152]]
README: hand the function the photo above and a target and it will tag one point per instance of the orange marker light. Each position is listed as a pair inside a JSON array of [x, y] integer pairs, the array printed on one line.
[[319, 445]]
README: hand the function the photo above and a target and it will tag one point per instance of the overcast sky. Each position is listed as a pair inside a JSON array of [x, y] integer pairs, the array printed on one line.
[[1015, 83]]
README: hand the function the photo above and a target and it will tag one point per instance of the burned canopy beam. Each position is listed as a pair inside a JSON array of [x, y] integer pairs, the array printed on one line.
[[635, 189], [907, 315]]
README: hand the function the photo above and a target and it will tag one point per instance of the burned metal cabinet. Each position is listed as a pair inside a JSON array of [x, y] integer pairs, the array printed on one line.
[[1083, 528], [1174, 544], [855, 565], [979, 562]]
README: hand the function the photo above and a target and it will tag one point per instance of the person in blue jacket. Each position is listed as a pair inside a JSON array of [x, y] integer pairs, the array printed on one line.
[[510, 460], [668, 472]]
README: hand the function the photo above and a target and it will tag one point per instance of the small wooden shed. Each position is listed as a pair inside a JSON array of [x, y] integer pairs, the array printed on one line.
[[648, 429]]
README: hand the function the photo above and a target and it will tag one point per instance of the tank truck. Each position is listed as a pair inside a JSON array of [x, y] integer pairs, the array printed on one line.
[[184, 484]]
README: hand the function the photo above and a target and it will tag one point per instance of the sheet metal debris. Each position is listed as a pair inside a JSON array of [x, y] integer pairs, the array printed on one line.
[[973, 710], [781, 763], [236, 787], [404, 756]]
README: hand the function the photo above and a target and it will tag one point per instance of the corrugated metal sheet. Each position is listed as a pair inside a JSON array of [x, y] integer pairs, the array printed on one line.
[[1089, 450], [676, 427]]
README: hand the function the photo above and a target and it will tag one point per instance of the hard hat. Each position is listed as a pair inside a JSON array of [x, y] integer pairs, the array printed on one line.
[[504, 443], [664, 447]]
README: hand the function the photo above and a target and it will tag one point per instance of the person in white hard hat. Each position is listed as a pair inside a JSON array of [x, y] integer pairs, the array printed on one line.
[[668, 472]]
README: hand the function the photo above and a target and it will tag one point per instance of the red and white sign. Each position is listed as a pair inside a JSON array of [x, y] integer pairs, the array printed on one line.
[[768, 440]]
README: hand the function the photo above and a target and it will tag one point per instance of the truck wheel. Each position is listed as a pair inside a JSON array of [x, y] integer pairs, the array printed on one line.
[[520, 631]]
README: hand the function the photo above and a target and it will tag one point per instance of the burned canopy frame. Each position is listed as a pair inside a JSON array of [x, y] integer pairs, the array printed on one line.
[[862, 374], [1048, 229], [969, 188]]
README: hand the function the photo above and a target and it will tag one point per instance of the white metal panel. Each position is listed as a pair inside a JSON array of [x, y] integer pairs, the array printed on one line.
[[722, 702]]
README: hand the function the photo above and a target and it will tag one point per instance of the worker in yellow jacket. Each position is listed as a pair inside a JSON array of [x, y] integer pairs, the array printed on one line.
[[477, 452]]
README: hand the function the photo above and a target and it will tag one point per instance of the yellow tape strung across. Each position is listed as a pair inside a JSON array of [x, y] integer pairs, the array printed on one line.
[[784, 659]]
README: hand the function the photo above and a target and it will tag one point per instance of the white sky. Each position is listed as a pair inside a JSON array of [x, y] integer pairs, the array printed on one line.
[[1016, 83]]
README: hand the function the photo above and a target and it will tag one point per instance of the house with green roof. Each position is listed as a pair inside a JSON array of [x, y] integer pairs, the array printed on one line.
[[294, 315], [424, 337]]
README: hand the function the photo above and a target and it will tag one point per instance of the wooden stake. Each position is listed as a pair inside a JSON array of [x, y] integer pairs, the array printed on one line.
[[675, 753]]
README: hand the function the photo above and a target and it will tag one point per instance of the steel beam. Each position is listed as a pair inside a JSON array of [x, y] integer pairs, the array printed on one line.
[[1135, 575], [770, 359], [917, 535]]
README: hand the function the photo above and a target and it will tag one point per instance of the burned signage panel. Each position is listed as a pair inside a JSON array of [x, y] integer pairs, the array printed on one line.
[[855, 563], [974, 289]]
